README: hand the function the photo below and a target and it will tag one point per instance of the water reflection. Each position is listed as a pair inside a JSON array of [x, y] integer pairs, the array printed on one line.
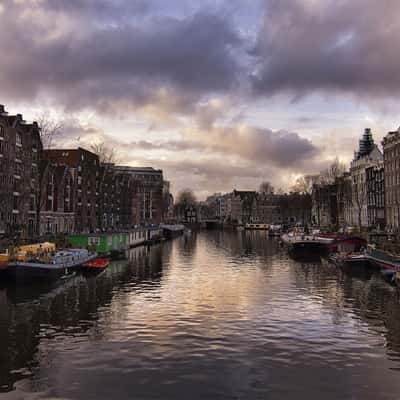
[[31, 314], [217, 314]]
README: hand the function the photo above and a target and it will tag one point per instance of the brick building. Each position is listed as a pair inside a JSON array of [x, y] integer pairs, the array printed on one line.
[[143, 200], [267, 208], [295, 208], [391, 154], [324, 205], [111, 192], [20, 150], [85, 167], [56, 205], [375, 180]]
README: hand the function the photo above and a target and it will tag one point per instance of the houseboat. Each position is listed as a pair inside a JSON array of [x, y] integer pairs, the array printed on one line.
[[306, 246], [115, 244], [4, 258], [23, 253], [104, 244], [171, 231], [53, 266], [254, 226], [317, 245], [145, 235]]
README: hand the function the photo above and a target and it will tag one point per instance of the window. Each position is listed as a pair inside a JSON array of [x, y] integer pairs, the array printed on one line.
[[18, 139], [15, 202], [32, 203], [17, 168]]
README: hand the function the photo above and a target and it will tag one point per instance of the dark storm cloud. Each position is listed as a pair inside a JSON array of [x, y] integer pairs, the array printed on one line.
[[104, 53], [94, 65], [350, 46], [102, 8]]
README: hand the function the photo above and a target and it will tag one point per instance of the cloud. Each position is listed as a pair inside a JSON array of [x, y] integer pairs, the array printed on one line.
[[329, 45], [84, 64], [106, 9], [169, 83], [262, 145]]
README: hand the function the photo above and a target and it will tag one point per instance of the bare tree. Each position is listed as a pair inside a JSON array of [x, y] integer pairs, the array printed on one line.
[[280, 191], [266, 187], [186, 197], [106, 154], [359, 199], [50, 130], [335, 170], [305, 183], [354, 196]]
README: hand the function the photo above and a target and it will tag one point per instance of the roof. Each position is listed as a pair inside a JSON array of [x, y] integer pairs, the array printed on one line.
[[138, 170]]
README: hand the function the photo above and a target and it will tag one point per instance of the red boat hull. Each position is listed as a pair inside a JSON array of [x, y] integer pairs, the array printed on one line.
[[97, 265]]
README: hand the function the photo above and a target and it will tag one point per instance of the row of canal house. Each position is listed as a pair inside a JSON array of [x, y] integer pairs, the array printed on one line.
[[368, 195], [243, 207], [70, 190]]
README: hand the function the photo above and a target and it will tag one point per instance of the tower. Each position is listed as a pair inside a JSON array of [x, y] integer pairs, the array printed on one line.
[[366, 143]]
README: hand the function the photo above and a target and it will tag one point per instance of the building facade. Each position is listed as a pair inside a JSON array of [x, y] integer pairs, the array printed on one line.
[[391, 151], [85, 168], [56, 204], [367, 156], [324, 205], [267, 208], [295, 208], [375, 180], [168, 202], [145, 185], [20, 152]]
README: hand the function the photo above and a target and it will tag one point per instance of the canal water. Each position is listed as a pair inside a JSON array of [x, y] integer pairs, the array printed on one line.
[[214, 315]]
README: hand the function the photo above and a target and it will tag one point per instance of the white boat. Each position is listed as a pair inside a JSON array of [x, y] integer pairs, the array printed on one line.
[[255, 226]]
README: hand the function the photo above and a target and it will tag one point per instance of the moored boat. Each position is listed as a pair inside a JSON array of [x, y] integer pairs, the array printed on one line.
[[319, 244], [344, 243], [97, 265], [171, 231], [23, 253], [113, 244], [4, 258], [53, 266], [358, 260], [306, 246], [255, 226], [382, 259]]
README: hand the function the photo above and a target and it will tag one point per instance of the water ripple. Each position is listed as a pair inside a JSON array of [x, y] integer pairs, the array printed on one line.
[[218, 315]]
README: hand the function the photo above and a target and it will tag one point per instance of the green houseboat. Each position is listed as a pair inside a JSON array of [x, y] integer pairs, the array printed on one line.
[[113, 244]]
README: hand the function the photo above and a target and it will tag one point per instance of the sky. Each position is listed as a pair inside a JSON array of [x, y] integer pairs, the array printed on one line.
[[220, 94]]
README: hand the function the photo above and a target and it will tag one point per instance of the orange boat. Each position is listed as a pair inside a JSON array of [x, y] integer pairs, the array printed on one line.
[[99, 264]]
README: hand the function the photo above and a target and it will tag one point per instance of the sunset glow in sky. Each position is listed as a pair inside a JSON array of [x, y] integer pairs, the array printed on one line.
[[220, 94]]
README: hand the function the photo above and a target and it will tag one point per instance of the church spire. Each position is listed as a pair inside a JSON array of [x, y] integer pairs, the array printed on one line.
[[366, 143]]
